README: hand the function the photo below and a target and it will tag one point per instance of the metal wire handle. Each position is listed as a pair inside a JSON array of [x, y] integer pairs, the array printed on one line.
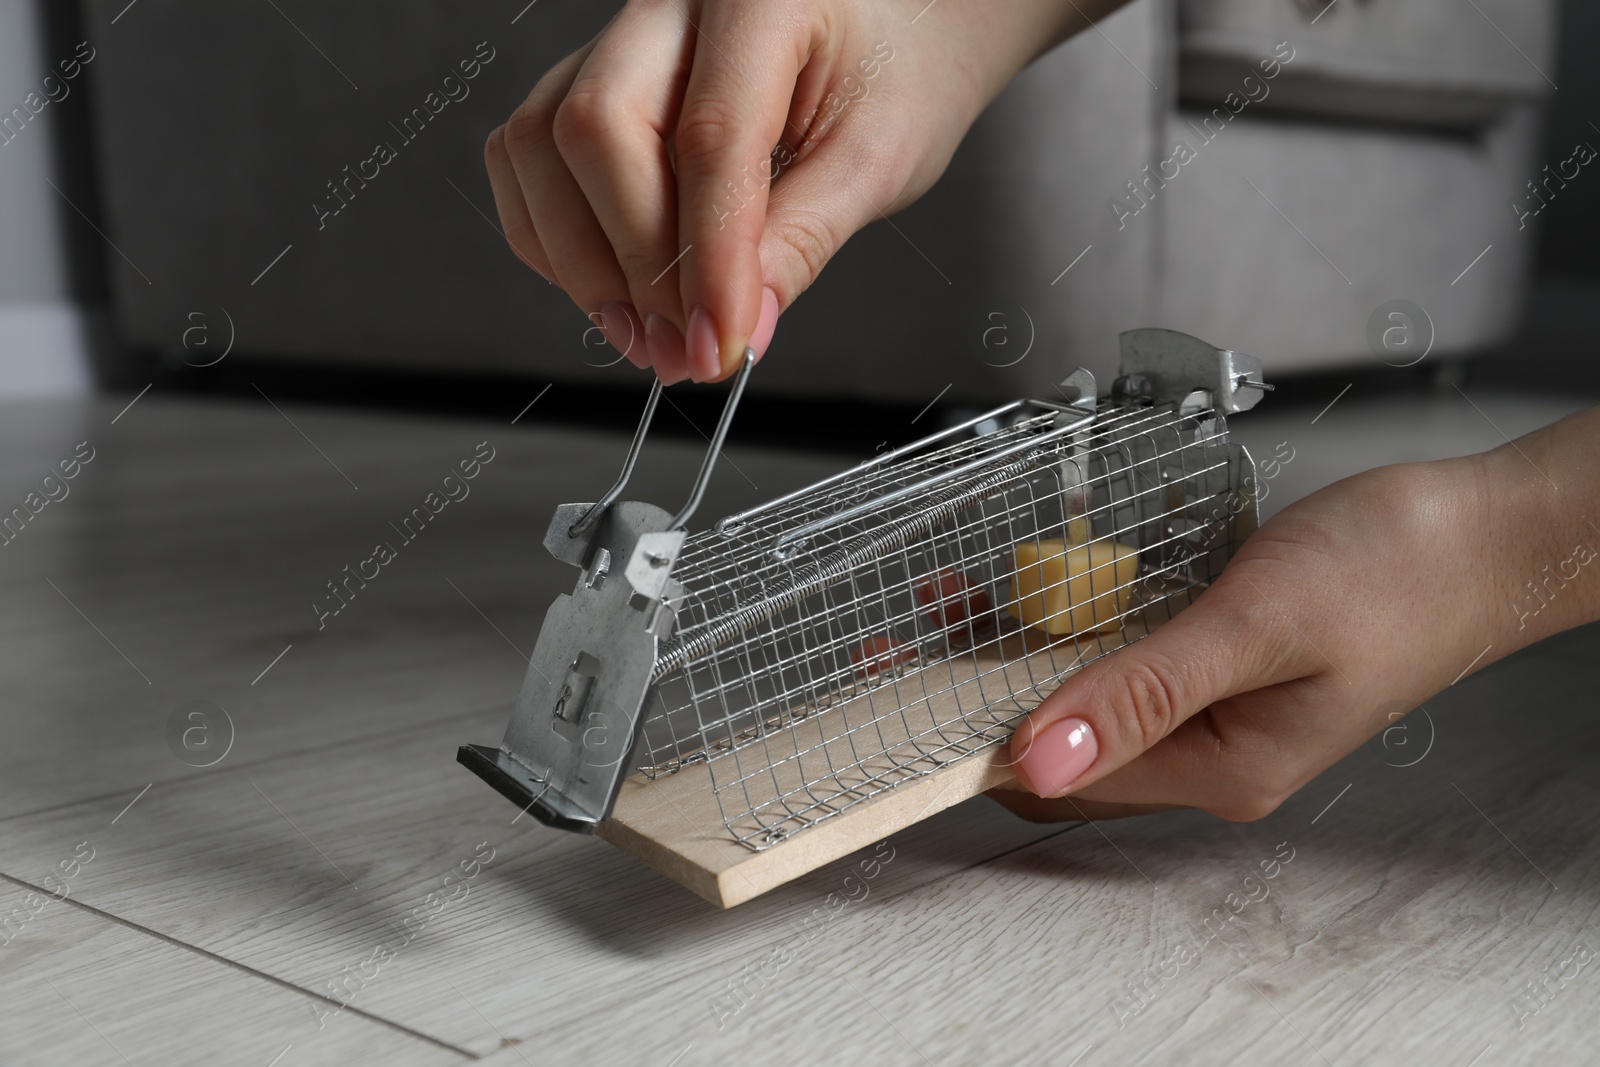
[[681, 518], [598, 509]]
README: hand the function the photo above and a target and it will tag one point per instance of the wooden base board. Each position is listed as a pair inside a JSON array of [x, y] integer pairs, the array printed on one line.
[[674, 822], [679, 831]]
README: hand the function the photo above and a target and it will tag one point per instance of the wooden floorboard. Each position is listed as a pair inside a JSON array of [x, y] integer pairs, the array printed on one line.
[[1403, 929], [303, 866], [188, 553], [1402, 859], [83, 988], [1420, 902]]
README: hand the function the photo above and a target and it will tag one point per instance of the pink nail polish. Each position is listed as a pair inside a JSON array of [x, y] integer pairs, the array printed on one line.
[[1059, 755], [704, 361], [766, 324], [665, 345], [624, 336]]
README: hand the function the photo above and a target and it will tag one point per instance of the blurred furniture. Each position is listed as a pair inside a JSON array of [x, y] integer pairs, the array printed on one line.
[[44, 332], [1380, 163]]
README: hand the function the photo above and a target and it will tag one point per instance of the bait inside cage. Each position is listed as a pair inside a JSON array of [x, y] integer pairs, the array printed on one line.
[[888, 622], [804, 656]]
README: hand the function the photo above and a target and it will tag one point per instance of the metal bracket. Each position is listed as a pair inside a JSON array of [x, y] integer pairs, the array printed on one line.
[[1080, 389], [1173, 366], [571, 736]]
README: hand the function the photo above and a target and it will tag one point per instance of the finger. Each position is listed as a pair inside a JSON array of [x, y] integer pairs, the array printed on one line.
[[666, 350], [622, 328], [612, 128], [1123, 704], [516, 226], [619, 322], [578, 250], [746, 62]]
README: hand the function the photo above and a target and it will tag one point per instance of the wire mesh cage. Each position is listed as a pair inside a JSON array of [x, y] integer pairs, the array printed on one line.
[[885, 623]]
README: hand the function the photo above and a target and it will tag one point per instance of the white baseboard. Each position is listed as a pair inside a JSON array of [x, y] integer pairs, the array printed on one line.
[[44, 349]]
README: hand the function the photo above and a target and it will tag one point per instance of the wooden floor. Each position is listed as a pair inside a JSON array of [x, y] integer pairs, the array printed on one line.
[[256, 911]]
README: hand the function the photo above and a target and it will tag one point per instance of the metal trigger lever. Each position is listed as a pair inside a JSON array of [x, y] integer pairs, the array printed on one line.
[[599, 507], [681, 518]]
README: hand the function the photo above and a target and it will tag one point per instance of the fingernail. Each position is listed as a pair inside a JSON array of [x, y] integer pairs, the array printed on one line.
[[618, 320], [1060, 753], [766, 324], [702, 341], [665, 346]]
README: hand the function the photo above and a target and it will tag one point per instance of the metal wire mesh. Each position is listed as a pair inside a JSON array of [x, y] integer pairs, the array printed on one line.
[[902, 616]]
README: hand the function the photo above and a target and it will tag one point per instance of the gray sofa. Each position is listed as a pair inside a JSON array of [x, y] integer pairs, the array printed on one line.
[[1333, 159]]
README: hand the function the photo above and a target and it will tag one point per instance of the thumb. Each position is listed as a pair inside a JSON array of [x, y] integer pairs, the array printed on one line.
[[1121, 705]]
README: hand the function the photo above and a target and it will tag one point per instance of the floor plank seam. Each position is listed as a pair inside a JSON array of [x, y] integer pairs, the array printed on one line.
[[246, 969], [1030, 844], [987, 859]]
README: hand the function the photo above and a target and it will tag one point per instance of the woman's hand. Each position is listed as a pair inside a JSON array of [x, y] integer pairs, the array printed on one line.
[[1346, 610], [639, 173]]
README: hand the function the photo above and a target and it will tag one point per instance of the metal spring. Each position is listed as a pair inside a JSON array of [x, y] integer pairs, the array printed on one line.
[[818, 576]]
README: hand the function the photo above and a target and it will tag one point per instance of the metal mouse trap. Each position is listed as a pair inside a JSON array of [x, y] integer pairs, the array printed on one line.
[[740, 705]]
